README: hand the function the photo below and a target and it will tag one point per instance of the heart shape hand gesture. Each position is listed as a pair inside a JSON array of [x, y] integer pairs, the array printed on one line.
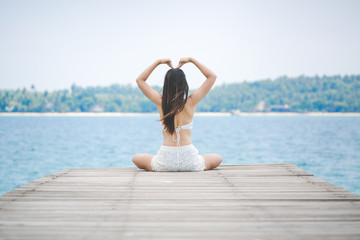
[[181, 62]]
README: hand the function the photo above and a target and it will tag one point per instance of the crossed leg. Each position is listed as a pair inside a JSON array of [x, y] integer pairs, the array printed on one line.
[[212, 160], [143, 161]]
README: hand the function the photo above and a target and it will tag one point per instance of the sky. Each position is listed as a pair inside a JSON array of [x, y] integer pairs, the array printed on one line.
[[53, 44]]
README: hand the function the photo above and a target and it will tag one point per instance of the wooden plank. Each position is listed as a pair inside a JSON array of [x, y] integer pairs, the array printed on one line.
[[272, 201]]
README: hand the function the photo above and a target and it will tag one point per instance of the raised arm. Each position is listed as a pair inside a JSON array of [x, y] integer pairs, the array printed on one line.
[[153, 95], [201, 92]]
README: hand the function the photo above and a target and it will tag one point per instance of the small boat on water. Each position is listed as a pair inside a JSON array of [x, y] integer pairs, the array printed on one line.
[[235, 112]]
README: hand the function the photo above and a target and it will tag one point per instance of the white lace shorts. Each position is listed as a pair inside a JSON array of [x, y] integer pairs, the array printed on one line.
[[178, 159]]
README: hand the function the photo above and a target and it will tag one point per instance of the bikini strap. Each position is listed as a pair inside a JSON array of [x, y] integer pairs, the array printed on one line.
[[177, 132], [177, 140]]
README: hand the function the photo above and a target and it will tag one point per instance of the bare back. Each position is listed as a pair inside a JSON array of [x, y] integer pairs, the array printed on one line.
[[182, 118], [187, 114]]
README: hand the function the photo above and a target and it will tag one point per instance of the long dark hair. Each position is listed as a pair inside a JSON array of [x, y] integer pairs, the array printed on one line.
[[174, 97]]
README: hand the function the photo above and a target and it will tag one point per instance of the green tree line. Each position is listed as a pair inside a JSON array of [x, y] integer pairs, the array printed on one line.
[[302, 94]]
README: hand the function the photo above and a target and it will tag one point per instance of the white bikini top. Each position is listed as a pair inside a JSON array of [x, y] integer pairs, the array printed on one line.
[[186, 126], [177, 130]]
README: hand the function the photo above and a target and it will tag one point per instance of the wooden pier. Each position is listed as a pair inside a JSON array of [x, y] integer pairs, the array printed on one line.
[[270, 201]]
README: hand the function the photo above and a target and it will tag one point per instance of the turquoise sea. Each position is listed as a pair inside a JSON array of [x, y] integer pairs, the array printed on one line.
[[31, 147]]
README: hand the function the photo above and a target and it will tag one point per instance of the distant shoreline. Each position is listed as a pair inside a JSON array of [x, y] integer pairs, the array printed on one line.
[[219, 114]]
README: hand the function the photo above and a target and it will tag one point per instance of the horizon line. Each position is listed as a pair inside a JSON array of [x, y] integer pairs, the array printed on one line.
[[223, 83]]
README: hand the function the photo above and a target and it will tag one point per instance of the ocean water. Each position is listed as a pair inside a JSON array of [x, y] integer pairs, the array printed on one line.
[[31, 147]]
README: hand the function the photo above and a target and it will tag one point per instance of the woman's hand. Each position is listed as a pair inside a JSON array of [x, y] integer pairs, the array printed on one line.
[[166, 61], [183, 61]]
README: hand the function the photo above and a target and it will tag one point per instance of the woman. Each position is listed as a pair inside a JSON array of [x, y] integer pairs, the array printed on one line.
[[176, 110]]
